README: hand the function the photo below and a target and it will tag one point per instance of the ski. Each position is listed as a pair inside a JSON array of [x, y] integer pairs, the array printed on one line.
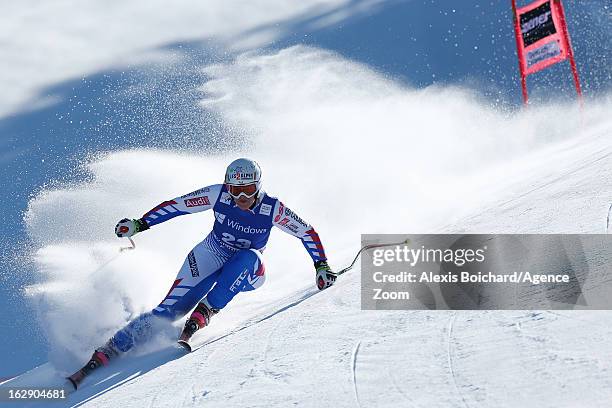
[[185, 345], [76, 379]]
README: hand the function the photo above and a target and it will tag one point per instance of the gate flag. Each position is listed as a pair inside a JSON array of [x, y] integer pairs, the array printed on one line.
[[542, 39]]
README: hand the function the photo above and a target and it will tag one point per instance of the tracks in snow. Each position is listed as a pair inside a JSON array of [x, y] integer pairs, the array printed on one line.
[[449, 355], [353, 369]]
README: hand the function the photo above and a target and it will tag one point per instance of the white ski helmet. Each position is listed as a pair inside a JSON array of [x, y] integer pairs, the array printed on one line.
[[243, 172]]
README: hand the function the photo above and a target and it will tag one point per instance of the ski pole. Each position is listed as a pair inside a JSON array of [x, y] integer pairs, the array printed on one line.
[[608, 219], [112, 258], [366, 247], [129, 247]]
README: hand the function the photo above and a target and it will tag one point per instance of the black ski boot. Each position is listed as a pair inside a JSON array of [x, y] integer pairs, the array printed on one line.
[[198, 319], [99, 358]]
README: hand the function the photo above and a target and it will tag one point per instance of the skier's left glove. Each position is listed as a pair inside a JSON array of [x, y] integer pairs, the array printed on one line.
[[325, 276], [127, 228]]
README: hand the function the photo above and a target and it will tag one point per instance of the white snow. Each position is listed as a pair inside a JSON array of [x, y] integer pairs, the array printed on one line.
[[352, 152]]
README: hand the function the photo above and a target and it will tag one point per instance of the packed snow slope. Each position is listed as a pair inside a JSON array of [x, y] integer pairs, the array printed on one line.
[[352, 152]]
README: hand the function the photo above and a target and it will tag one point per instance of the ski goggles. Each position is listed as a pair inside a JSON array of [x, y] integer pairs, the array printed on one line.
[[248, 190]]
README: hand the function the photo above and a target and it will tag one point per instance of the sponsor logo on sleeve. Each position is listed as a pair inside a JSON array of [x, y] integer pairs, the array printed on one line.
[[265, 209], [281, 210], [197, 202], [295, 217], [197, 192], [292, 227], [287, 224]]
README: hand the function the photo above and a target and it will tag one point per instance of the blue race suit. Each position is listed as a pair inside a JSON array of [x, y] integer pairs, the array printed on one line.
[[226, 262]]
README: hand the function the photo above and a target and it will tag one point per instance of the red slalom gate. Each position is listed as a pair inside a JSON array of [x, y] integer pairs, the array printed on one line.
[[542, 39]]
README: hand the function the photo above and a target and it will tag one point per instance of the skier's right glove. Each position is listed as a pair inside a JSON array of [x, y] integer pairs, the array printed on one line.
[[325, 276], [127, 228]]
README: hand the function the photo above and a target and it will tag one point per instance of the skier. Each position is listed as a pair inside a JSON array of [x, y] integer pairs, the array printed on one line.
[[226, 262]]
